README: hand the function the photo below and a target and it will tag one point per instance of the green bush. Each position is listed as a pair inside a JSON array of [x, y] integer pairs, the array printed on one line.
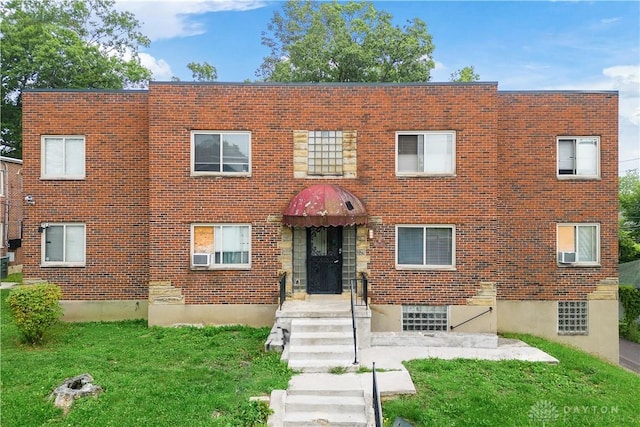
[[35, 309], [630, 300]]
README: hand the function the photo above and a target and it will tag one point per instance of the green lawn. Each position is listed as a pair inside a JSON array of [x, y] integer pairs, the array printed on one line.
[[580, 391], [204, 377]]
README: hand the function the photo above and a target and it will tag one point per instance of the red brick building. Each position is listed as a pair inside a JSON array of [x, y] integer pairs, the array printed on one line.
[[11, 214], [186, 203]]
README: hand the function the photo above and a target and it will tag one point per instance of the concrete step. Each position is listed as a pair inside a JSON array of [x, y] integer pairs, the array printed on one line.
[[325, 407], [320, 352], [307, 365], [325, 324], [322, 338]]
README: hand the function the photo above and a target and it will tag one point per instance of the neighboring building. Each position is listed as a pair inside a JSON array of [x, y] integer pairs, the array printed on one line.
[[186, 202], [11, 200]]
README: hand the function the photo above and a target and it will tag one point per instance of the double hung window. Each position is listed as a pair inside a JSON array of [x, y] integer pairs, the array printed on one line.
[[425, 153], [425, 246], [220, 153], [221, 246], [63, 245], [63, 157]]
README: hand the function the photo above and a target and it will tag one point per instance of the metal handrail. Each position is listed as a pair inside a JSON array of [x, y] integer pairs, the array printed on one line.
[[469, 320], [365, 289], [353, 322], [283, 288], [377, 407]]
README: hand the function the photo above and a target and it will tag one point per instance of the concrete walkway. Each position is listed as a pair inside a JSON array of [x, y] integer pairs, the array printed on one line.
[[630, 355], [393, 378]]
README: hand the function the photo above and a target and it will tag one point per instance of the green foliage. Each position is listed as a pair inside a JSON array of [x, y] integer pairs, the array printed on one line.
[[344, 42], [204, 72], [35, 309], [254, 413], [629, 194], [63, 44], [630, 300], [466, 74]]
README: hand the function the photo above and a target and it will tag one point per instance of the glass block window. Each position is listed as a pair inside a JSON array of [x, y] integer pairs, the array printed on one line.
[[348, 257], [573, 318], [299, 259], [325, 153], [424, 318]]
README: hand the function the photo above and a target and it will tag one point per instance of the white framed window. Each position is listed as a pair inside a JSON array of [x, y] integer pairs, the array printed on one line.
[[1, 234], [425, 246], [578, 244], [63, 245], [2, 172], [425, 153], [578, 157], [221, 246], [573, 318], [220, 153], [425, 318], [63, 157], [325, 153]]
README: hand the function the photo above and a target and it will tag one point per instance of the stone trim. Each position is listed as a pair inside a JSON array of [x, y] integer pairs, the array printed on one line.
[[162, 292], [606, 289], [485, 296]]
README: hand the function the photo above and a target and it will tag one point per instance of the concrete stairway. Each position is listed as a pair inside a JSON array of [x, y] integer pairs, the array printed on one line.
[[339, 407], [318, 344]]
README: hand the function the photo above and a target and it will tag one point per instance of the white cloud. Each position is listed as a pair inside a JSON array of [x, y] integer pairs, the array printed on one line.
[[159, 67], [178, 18]]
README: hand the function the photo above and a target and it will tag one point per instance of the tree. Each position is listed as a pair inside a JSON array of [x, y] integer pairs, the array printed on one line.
[[203, 72], [63, 44], [629, 194], [344, 42], [466, 74]]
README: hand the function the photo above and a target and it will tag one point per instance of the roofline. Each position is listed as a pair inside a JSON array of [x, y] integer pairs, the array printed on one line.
[[58, 90], [558, 91], [365, 84], [10, 160]]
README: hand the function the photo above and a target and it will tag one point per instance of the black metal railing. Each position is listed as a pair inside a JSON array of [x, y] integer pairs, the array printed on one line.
[[452, 327], [283, 288], [377, 405], [353, 323], [361, 290]]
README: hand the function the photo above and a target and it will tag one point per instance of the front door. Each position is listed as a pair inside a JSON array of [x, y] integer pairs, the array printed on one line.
[[324, 260]]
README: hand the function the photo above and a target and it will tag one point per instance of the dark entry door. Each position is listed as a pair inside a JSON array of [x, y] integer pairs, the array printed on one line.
[[324, 260]]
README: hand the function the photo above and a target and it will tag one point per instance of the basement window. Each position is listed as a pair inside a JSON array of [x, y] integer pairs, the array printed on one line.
[[573, 318], [424, 318]]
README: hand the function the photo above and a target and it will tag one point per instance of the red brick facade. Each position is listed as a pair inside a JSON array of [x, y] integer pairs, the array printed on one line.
[[138, 199], [11, 199]]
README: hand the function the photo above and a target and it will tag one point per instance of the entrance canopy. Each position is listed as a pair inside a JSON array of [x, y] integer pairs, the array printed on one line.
[[324, 205]]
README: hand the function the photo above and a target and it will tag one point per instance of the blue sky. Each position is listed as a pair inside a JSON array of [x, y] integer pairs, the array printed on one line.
[[525, 45]]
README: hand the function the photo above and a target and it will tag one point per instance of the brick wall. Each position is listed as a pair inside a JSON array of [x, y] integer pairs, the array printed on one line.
[[504, 200], [532, 200], [11, 207], [272, 113], [112, 201]]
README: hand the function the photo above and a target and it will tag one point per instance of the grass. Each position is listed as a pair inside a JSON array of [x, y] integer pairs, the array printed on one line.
[[150, 376], [13, 277], [204, 377], [581, 390]]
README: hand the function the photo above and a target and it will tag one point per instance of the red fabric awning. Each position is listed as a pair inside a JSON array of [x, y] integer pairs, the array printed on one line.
[[324, 205]]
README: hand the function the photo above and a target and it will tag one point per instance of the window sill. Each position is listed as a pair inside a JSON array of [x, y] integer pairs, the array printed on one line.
[[576, 333], [579, 265], [578, 178], [425, 175], [221, 174], [63, 265], [425, 268], [221, 268], [63, 178]]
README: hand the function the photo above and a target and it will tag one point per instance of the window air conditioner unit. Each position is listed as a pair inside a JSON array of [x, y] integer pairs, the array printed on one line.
[[567, 257], [201, 260]]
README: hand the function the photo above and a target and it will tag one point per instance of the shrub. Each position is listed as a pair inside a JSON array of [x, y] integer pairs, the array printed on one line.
[[35, 309], [630, 300]]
